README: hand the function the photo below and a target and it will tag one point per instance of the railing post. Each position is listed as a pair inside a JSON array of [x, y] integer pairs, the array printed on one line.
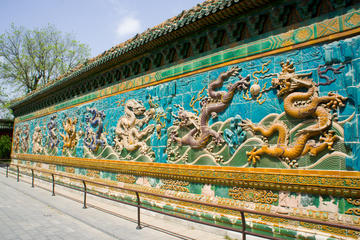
[[138, 211], [53, 184], [243, 225], [7, 170], [85, 191], [32, 178], [18, 173]]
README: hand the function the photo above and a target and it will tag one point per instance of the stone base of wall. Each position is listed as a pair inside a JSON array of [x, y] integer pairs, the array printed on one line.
[[333, 209]]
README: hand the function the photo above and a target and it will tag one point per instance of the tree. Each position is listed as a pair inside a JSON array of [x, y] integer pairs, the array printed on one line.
[[31, 58], [5, 111], [5, 147]]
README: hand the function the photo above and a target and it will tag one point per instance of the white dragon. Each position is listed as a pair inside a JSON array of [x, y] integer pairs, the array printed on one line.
[[128, 133], [37, 140]]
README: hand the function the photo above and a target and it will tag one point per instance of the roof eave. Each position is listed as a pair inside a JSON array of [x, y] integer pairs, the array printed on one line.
[[234, 7]]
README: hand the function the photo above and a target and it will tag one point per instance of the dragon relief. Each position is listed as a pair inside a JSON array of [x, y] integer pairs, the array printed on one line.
[[37, 140], [94, 133], [16, 140], [200, 133], [301, 101], [53, 140], [128, 131], [25, 138], [70, 138]]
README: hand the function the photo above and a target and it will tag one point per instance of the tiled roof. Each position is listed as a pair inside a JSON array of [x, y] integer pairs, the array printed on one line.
[[6, 124], [185, 18]]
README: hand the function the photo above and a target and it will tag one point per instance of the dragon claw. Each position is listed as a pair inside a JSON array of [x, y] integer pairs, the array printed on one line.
[[173, 136], [247, 124], [329, 138], [234, 71], [218, 140], [336, 101], [253, 156]]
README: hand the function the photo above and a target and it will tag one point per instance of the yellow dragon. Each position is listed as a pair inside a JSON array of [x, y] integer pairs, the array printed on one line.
[[70, 136], [301, 101]]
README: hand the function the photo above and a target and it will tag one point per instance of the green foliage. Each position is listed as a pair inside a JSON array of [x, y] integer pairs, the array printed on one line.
[[30, 58], [5, 147], [5, 111]]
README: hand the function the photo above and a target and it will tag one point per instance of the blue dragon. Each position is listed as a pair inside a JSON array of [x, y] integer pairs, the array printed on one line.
[[94, 121], [52, 127]]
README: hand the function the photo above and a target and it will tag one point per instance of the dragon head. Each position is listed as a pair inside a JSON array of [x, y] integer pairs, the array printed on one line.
[[184, 117], [135, 106], [288, 81], [37, 129], [95, 113]]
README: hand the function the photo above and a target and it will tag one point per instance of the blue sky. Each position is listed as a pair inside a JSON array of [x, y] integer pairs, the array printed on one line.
[[99, 23]]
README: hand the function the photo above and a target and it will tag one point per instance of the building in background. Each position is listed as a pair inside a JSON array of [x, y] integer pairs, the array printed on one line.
[[6, 127]]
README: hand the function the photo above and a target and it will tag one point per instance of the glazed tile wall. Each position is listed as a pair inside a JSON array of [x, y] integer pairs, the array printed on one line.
[[153, 124]]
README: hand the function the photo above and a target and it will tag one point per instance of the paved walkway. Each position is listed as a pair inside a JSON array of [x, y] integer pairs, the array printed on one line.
[[32, 213], [27, 213]]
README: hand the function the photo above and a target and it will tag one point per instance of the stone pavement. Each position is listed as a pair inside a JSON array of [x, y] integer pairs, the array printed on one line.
[[32, 213]]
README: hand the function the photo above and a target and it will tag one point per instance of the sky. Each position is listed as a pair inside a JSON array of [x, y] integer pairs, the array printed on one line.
[[101, 24]]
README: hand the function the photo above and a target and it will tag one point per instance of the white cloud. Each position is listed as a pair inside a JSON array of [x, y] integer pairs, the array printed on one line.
[[127, 26]]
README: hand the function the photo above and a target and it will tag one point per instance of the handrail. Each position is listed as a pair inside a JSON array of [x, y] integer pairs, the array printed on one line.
[[139, 206]]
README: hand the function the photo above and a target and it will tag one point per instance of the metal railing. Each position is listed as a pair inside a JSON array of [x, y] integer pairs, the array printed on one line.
[[139, 205]]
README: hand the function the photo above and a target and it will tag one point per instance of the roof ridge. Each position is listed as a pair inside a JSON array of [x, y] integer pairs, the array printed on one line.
[[184, 18]]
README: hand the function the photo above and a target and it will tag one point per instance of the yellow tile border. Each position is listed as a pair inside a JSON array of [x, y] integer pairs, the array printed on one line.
[[339, 183]]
